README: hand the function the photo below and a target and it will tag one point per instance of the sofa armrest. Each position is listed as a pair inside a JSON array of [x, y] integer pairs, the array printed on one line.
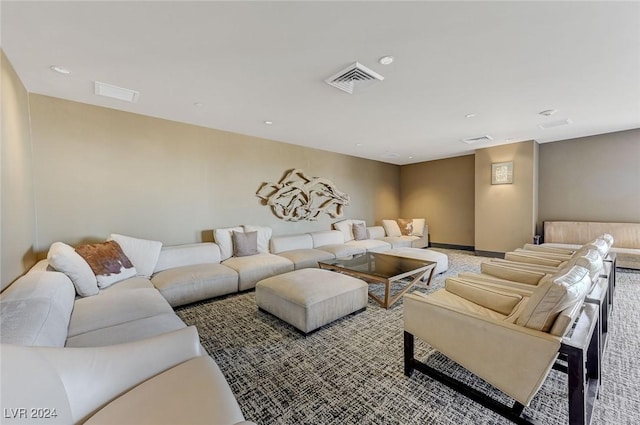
[[90, 377]]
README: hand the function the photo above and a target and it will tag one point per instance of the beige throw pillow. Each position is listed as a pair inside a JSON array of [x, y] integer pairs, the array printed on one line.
[[245, 244], [359, 231]]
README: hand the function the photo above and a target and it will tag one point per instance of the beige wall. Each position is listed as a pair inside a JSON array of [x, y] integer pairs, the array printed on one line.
[[99, 171], [442, 191], [505, 214], [593, 178], [18, 210]]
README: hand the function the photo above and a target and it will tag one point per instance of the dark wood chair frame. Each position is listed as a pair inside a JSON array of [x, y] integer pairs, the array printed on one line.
[[579, 358]]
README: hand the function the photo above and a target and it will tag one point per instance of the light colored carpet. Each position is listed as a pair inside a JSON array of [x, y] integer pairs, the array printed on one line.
[[351, 371]]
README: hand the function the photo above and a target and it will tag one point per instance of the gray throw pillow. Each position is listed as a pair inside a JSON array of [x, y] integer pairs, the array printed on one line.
[[359, 231], [245, 243]]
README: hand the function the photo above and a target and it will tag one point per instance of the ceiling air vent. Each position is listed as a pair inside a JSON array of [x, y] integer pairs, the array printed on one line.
[[355, 77], [553, 124], [471, 141], [115, 92]]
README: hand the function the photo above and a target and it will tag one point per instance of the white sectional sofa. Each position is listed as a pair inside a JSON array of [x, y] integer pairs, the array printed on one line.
[[128, 345], [130, 324]]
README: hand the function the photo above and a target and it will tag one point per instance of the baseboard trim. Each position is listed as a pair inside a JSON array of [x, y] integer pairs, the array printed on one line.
[[451, 246], [492, 254]]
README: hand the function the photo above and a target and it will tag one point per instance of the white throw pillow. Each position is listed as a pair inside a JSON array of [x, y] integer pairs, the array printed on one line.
[[65, 259], [391, 228], [418, 227], [264, 236], [345, 227], [143, 253], [223, 238]]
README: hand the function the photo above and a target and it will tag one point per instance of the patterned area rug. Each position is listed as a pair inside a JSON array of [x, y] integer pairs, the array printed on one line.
[[351, 371]]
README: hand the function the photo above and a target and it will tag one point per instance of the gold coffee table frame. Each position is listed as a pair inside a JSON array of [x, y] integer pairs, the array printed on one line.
[[380, 268]]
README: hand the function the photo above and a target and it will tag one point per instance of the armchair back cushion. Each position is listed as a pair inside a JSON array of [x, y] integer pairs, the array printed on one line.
[[554, 294], [503, 302]]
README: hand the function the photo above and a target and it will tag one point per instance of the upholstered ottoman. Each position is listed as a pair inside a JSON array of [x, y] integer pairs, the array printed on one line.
[[423, 254], [310, 298]]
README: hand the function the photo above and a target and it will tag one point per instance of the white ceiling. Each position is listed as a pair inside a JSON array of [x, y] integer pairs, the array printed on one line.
[[248, 62]]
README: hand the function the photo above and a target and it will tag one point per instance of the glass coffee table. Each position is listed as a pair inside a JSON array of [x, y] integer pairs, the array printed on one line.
[[379, 268]]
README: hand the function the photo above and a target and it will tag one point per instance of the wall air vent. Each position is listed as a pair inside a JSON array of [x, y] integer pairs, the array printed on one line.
[[553, 124], [115, 92], [355, 77], [471, 141]]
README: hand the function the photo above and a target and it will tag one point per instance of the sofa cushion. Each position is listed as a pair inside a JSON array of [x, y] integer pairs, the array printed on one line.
[[223, 239], [327, 237], [65, 259], [391, 228], [36, 309], [257, 267], [204, 397], [399, 241], [375, 232], [245, 243], [142, 253], [187, 255], [184, 285], [406, 226], [285, 243], [370, 245], [127, 284], [114, 308], [306, 258], [264, 235], [343, 250], [108, 262], [554, 294], [135, 330]]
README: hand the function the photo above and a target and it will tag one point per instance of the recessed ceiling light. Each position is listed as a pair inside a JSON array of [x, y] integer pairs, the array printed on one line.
[[198, 104], [268, 122], [470, 115], [358, 144], [548, 112], [386, 60], [60, 69], [410, 157]]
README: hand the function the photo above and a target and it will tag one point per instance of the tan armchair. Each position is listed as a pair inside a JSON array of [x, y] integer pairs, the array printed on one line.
[[509, 338]]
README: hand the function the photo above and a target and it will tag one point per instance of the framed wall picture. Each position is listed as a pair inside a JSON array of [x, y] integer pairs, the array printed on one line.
[[502, 172]]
